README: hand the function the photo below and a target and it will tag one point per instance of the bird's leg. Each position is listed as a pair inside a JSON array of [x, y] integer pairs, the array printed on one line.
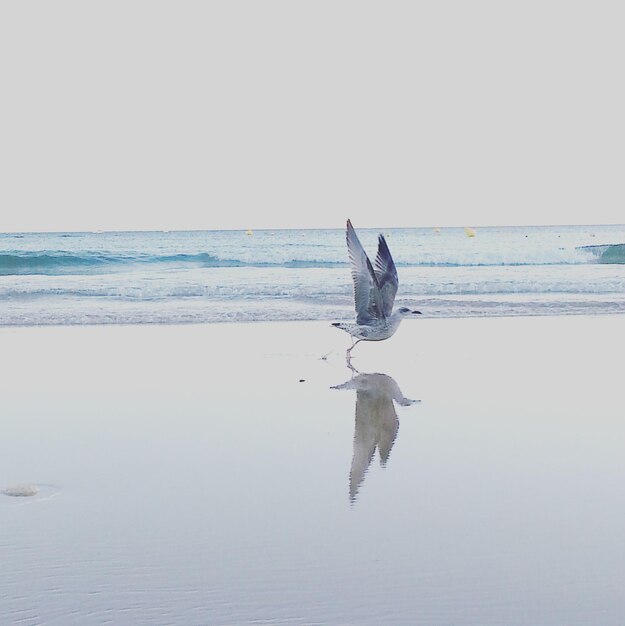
[[353, 370], [348, 354]]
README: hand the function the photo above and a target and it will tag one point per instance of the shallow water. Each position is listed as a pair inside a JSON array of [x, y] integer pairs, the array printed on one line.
[[198, 481], [217, 276]]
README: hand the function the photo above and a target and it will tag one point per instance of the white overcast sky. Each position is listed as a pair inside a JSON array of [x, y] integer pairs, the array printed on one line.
[[183, 115]]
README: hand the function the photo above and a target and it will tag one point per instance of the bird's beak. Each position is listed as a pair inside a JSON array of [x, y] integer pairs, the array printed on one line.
[[416, 312]]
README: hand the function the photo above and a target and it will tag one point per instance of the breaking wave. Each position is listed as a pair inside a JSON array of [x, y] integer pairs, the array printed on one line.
[[55, 262], [58, 263], [608, 254]]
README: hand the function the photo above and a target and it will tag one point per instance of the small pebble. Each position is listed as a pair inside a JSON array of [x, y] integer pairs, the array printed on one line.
[[21, 491]]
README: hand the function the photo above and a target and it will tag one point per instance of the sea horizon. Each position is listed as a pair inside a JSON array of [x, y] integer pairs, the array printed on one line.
[[308, 228]]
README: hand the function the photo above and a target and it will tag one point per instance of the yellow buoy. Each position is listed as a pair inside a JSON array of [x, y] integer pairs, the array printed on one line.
[[469, 231], [249, 231]]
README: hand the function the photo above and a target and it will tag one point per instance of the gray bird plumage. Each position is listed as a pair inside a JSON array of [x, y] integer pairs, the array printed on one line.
[[375, 288]]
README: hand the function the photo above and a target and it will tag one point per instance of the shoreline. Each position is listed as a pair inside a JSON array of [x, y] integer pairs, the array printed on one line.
[[559, 314]]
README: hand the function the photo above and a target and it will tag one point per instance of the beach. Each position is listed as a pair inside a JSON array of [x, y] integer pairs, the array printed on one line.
[[213, 474]]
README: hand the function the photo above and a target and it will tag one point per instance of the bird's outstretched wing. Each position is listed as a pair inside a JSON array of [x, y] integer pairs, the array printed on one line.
[[367, 294], [386, 275]]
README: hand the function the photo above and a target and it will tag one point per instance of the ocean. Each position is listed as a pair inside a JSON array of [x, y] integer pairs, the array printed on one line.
[[265, 275]]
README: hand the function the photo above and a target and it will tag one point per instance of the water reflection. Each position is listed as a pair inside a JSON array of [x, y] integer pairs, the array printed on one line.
[[376, 422]]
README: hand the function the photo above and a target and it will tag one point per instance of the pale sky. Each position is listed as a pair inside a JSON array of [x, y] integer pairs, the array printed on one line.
[[249, 114]]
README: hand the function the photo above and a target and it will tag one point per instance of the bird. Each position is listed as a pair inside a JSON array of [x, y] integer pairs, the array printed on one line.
[[375, 287]]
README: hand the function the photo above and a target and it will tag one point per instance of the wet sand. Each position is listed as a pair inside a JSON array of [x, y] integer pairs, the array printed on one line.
[[215, 474]]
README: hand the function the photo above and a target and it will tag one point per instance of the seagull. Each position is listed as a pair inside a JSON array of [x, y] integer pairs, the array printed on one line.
[[374, 293]]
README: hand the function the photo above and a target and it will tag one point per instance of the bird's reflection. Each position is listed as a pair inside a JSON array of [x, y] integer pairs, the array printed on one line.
[[376, 422]]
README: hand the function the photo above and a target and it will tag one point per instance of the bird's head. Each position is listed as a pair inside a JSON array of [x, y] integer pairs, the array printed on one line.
[[406, 312]]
